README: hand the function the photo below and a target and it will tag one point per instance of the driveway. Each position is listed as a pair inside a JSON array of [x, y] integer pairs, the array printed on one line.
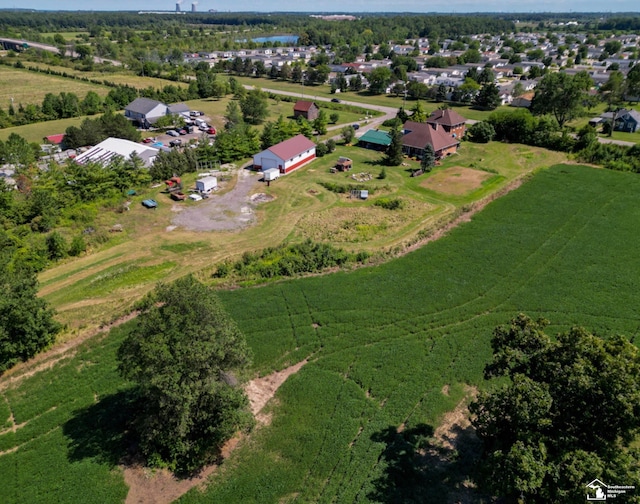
[[229, 212]]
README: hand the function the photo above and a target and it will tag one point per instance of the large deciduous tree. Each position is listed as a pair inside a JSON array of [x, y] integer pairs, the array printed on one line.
[[183, 356], [254, 106], [26, 322], [561, 95], [565, 414]]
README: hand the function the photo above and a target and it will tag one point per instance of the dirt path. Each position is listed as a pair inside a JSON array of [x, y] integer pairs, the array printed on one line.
[[229, 212], [66, 350], [161, 487]]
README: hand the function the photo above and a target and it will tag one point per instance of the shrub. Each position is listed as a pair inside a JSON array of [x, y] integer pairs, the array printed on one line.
[[389, 203]]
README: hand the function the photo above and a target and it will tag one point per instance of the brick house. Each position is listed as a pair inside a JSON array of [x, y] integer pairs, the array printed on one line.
[[417, 135], [452, 122]]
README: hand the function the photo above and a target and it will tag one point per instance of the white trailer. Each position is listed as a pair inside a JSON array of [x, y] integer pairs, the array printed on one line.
[[270, 174], [206, 184]]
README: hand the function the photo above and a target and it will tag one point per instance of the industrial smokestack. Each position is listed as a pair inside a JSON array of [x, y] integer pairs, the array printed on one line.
[[193, 6], [177, 7]]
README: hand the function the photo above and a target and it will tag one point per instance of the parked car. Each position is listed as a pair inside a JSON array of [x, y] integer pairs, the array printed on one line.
[[149, 140], [173, 133], [176, 143], [195, 197], [355, 126], [150, 203], [335, 100], [211, 130], [195, 113]]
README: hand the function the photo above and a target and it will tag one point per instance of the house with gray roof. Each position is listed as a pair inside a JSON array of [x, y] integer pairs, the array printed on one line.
[[145, 111]]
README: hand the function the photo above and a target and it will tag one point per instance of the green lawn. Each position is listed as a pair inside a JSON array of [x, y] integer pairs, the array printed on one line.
[[391, 349], [37, 131]]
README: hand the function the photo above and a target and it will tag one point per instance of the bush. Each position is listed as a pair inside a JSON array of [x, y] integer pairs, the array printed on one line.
[[389, 203], [78, 246], [481, 132], [321, 149], [287, 261]]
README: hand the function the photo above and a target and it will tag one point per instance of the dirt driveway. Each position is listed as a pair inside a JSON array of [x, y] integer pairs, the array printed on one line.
[[231, 211]]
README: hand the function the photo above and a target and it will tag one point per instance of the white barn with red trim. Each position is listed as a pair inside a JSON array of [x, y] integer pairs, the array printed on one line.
[[286, 156]]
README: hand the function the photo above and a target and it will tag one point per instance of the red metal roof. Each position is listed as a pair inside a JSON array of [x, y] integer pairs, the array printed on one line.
[[291, 148], [303, 106], [420, 134], [446, 117], [55, 139]]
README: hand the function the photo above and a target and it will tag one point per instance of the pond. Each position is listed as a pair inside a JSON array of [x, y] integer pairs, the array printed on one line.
[[283, 39]]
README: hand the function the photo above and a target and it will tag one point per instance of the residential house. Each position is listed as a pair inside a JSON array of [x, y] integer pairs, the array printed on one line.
[[417, 135], [452, 122], [524, 100], [627, 121], [145, 111], [286, 156], [306, 109]]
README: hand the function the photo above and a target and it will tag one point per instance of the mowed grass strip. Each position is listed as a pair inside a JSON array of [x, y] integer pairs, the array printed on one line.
[[391, 349]]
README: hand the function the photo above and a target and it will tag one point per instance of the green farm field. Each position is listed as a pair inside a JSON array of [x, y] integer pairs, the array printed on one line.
[[27, 87], [390, 350]]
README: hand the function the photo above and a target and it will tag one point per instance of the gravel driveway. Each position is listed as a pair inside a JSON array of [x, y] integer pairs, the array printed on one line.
[[231, 211]]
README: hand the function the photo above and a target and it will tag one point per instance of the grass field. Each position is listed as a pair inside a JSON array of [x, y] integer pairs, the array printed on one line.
[[300, 203], [391, 349], [37, 131], [30, 87], [119, 77]]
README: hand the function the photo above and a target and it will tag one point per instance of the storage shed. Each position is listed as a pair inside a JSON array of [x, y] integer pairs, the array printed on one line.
[[206, 184]]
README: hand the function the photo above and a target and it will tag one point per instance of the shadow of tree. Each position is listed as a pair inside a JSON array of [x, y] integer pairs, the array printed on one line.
[[101, 432], [422, 469]]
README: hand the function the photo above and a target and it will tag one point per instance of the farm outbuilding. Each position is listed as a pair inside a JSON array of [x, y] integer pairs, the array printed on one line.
[[306, 109], [375, 139], [206, 184], [286, 156], [108, 149], [344, 164]]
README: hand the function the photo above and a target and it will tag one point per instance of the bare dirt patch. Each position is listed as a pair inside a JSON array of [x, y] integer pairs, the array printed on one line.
[[262, 389], [148, 486], [456, 180], [455, 422]]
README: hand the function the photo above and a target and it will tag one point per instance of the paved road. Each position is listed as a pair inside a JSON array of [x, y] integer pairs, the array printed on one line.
[[365, 125], [56, 50]]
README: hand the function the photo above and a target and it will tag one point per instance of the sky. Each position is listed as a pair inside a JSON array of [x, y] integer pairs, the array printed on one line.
[[448, 6]]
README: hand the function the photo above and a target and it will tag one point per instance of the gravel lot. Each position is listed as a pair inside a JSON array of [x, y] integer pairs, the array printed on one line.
[[231, 211]]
